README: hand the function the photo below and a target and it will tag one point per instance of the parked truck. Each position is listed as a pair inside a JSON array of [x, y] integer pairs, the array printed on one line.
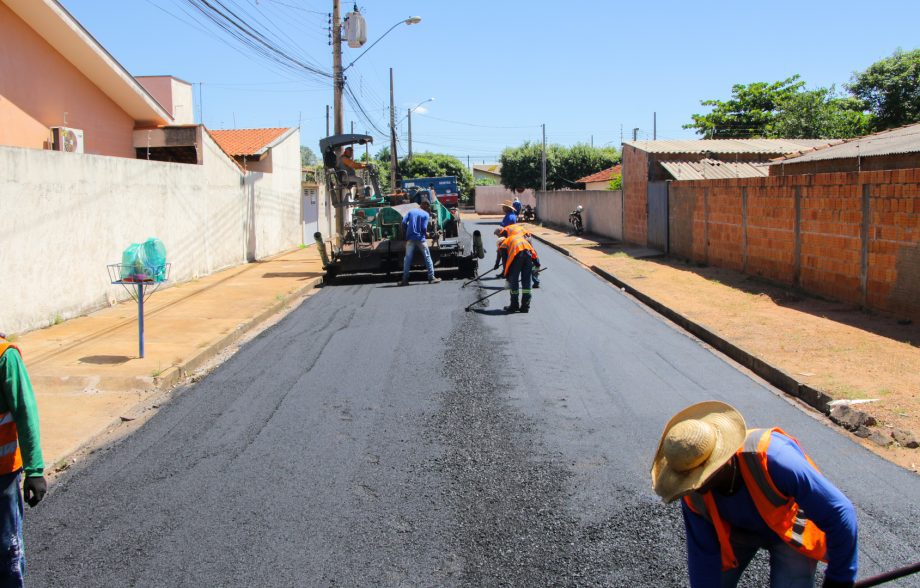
[[445, 188]]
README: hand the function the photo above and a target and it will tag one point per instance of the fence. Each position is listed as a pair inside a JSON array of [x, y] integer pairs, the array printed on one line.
[[489, 198], [854, 237], [603, 210], [65, 216]]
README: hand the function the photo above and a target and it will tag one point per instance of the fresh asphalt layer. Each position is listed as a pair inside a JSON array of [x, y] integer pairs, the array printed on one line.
[[382, 436]]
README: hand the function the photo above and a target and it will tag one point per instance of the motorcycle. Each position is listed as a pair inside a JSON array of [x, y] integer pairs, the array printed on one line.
[[528, 214], [575, 220]]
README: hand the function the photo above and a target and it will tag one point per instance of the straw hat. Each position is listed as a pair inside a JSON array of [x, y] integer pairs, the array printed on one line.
[[507, 204], [695, 443]]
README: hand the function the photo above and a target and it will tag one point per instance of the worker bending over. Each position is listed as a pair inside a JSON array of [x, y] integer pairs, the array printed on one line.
[[748, 489], [519, 264]]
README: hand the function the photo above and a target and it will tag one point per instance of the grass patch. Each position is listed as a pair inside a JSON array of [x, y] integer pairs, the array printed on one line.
[[157, 372]]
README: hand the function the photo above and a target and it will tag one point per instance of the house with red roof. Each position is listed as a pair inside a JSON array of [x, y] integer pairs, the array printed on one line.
[[601, 179]]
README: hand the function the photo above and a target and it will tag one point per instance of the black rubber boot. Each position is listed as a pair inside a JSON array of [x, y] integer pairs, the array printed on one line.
[[525, 303], [513, 307]]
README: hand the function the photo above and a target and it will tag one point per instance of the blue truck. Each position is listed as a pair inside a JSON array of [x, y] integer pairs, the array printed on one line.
[[445, 188]]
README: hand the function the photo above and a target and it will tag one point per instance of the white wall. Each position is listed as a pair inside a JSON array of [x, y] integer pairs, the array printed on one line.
[[489, 198], [602, 215], [64, 217]]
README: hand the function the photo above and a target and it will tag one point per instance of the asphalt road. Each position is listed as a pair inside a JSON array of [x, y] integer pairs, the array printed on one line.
[[381, 436]]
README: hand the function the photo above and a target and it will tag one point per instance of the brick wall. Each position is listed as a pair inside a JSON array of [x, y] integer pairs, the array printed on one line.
[[635, 195], [853, 237]]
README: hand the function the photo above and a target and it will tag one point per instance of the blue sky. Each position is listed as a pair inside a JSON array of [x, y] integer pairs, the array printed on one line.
[[499, 69]]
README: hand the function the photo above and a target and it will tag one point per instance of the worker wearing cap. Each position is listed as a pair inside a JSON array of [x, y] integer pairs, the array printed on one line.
[[748, 489], [519, 264], [510, 217], [20, 455]]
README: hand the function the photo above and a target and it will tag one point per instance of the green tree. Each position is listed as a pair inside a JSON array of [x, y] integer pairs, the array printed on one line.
[[890, 88], [750, 112], [307, 157], [819, 114], [485, 182], [521, 166], [616, 182], [578, 161]]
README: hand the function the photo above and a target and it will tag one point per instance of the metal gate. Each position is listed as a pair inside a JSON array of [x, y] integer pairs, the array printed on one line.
[[310, 214], [658, 215]]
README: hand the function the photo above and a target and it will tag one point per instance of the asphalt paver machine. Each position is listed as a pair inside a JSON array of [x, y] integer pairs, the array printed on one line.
[[372, 240]]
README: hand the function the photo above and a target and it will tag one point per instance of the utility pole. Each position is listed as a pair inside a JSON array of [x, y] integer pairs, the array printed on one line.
[[636, 134], [409, 116], [352, 127], [654, 126], [392, 136], [327, 120], [543, 161], [338, 85]]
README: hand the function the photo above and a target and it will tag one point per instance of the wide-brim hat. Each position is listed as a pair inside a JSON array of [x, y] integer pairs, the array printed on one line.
[[695, 443], [507, 204]]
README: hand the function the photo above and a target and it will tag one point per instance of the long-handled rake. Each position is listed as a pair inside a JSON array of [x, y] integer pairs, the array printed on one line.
[[482, 275], [467, 309], [888, 576]]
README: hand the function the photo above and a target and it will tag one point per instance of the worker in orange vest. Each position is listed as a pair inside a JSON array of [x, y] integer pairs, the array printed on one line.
[[519, 264], [748, 489], [20, 453]]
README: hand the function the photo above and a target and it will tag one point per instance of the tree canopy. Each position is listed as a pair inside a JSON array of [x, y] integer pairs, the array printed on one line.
[[425, 165], [307, 157], [885, 95], [521, 166], [890, 89]]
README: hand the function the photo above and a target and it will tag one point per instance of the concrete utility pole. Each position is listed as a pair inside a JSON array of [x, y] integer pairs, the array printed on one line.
[[409, 116], [338, 85], [654, 126], [327, 120], [543, 161], [636, 134], [392, 136]]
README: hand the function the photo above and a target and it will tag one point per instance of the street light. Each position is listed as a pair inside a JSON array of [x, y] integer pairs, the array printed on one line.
[[409, 116], [409, 21]]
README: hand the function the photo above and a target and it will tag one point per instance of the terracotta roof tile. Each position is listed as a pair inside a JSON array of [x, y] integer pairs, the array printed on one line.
[[603, 175], [246, 141]]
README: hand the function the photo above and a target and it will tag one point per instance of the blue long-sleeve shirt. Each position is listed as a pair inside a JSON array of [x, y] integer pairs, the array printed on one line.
[[415, 224], [509, 219], [820, 500]]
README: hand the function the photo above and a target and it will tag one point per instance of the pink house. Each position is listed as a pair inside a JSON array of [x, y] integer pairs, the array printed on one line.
[[54, 74]]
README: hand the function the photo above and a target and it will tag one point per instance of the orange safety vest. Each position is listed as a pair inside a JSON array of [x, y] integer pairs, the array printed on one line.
[[515, 241], [10, 457], [781, 513]]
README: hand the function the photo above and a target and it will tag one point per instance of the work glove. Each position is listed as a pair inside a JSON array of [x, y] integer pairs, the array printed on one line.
[[828, 583], [33, 489]]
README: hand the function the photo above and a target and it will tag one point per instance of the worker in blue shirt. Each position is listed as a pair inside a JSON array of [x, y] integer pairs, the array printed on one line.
[[510, 216], [744, 490], [415, 226]]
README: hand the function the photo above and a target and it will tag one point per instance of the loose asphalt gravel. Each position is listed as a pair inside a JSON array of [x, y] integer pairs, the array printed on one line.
[[381, 436]]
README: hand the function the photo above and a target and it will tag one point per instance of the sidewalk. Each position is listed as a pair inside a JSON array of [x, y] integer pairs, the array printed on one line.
[[816, 350], [86, 371]]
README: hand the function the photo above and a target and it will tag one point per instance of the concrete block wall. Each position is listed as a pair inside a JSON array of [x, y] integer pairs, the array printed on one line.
[[488, 199], [853, 237], [64, 217], [602, 215]]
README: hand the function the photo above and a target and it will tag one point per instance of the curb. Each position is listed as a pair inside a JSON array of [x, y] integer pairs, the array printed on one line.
[[775, 376], [174, 374]]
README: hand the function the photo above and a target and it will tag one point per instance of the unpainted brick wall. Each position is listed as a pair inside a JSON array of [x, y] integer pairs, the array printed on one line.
[[635, 195], [853, 237]]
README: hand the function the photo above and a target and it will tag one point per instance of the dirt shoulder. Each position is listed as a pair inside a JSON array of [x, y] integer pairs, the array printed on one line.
[[847, 353]]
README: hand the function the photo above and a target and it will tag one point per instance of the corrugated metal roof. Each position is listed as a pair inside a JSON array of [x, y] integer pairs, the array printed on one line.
[[713, 169], [764, 146], [900, 140]]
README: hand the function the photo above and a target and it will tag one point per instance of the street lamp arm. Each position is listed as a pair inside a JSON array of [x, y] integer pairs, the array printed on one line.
[[409, 21]]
